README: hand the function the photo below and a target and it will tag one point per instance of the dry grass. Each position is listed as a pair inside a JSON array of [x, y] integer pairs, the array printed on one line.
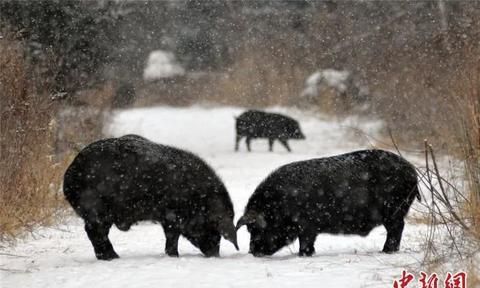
[[100, 97], [454, 203], [29, 173], [259, 77], [451, 241], [443, 107], [82, 122], [38, 138], [471, 149]]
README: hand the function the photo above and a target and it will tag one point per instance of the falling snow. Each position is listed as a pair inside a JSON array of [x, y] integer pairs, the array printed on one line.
[[63, 256]]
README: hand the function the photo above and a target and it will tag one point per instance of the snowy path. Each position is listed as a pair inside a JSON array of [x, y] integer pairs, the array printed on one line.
[[62, 256]]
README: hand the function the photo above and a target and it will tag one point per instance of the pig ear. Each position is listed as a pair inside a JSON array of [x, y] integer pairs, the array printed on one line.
[[244, 220], [228, 232]]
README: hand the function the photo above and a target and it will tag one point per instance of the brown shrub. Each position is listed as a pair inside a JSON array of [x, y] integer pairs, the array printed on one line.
[[29, 172]]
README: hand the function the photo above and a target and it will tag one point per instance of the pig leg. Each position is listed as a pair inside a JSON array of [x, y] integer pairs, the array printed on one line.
[[394, 235], [171, 246], [307, 241], [98, 235], [270, 144], [237, 140], [285, 143], [249, 139]]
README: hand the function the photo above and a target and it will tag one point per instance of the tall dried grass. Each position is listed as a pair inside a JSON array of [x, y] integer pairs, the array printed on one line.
[[259, 78], [29, 173], [454, 202], [471, 145]]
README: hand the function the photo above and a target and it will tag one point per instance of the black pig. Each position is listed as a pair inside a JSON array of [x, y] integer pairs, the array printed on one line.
[[258, 124], [345, 194], [125, 180]]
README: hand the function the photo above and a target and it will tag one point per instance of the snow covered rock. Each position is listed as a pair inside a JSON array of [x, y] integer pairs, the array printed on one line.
[[341, 81], [329, 77], [162, 64]]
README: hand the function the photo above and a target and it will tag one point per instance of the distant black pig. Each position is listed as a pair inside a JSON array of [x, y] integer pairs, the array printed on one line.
[[258, 124], [125, 180], [345, 194]]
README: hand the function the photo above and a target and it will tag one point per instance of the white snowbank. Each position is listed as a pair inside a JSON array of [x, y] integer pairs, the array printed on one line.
[[162, 64]]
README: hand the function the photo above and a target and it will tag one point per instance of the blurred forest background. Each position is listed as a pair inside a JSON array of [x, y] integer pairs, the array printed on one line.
[[63, 64]]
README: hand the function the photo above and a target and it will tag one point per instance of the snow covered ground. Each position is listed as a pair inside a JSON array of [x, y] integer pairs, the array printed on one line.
[[62, 256]]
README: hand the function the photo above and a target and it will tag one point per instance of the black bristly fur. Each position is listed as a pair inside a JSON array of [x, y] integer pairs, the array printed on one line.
[[125, 180], [345, 194], [273, 126]]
